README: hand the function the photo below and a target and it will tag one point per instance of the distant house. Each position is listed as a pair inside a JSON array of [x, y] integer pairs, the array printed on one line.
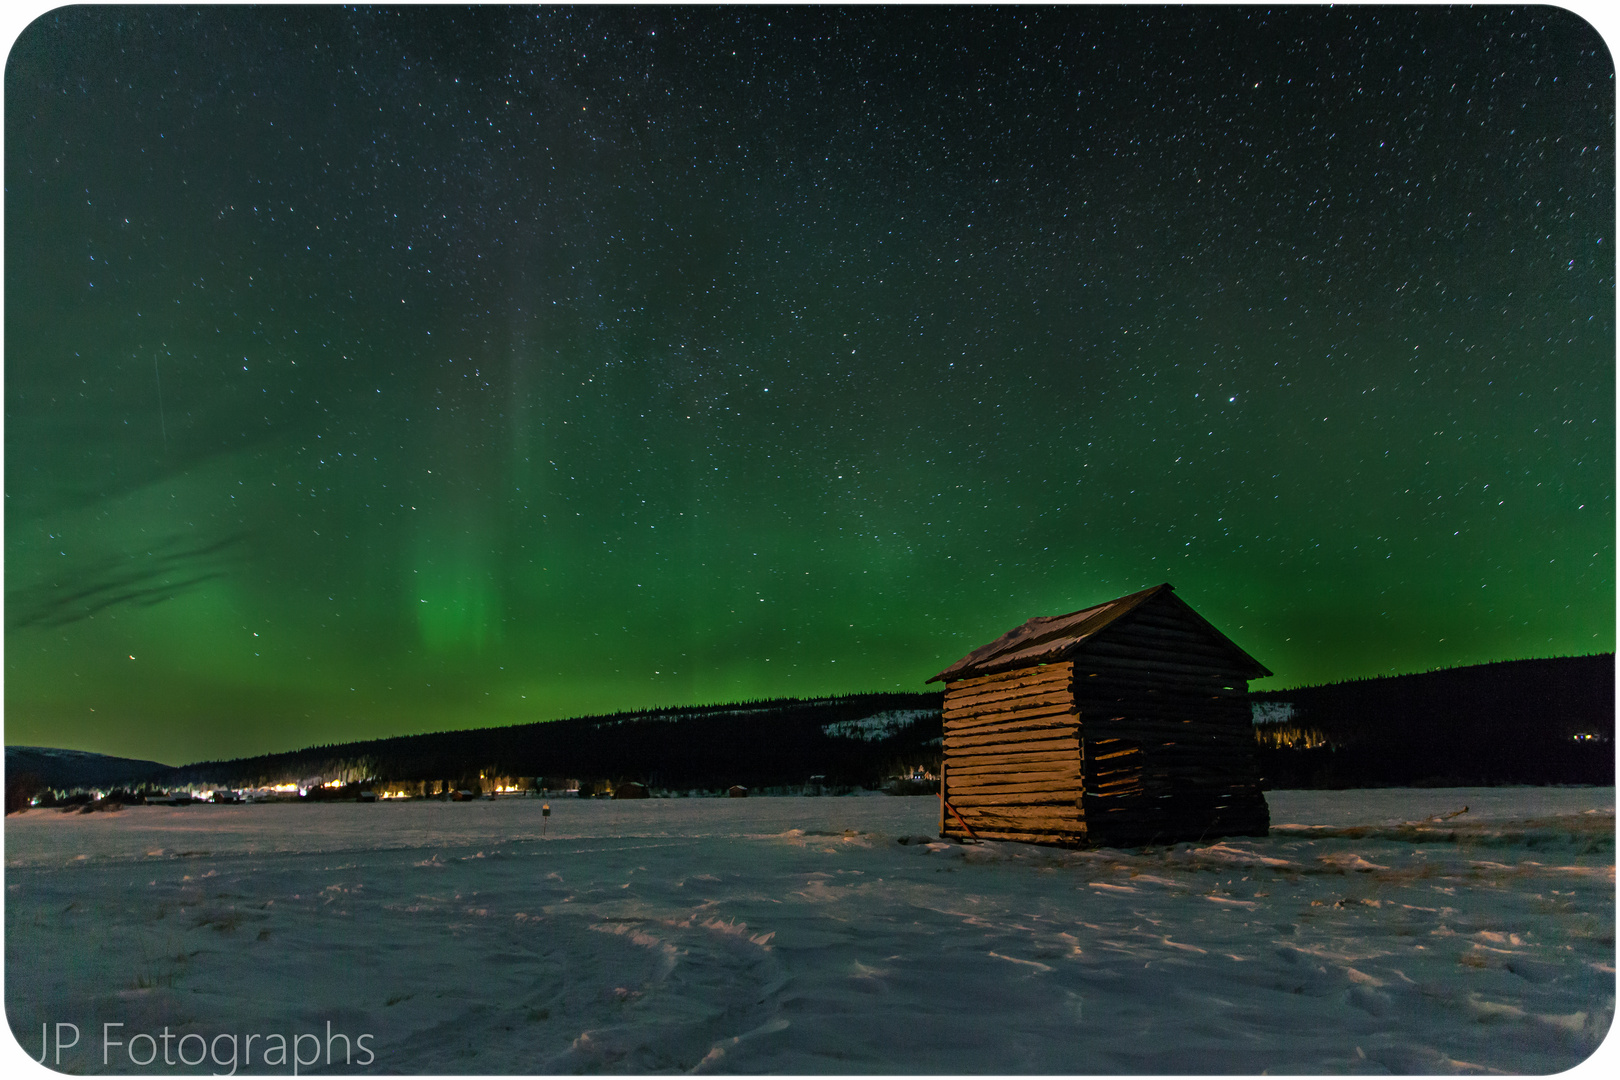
[[1125, 723]]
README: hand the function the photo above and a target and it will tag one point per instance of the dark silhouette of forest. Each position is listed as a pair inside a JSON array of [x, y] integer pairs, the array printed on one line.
[[1513, 722], [755, 744]]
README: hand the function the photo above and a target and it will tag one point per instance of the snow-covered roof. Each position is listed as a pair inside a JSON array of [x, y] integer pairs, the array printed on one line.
[[1049, 638]]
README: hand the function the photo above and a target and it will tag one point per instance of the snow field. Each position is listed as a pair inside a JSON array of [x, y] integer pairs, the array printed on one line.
[[1371, 932]]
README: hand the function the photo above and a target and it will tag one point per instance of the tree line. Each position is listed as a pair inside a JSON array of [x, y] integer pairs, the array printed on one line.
[[756, 744], [1544, 721]]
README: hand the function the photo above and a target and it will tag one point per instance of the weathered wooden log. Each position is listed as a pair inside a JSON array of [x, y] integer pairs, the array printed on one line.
[[1066, 789], [1169, 639], [1033, 706], [1017, 676], [1177, 623], [1038, 742], [981, 785], [1191, 739], [1011, 680], [1102, 659], [1024, 734], [1026, 776], [1150, 689], [1175, 636], [1064, 796], [1112, 790], [1047, 705], [978, 766], [1213, 759], [1178, 737], [1148, 718], [1060, 698], [1149, 646], [1021, 836], [1103, 776], [1140, 682], [1019, 682], [991, 762], [1037, 816], [982, 766], [1011, 722]]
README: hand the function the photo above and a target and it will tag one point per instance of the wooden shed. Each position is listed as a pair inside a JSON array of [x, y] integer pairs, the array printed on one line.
[[1126, 723]]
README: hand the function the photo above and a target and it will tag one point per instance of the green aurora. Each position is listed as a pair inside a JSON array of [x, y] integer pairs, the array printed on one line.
[[376, 372]]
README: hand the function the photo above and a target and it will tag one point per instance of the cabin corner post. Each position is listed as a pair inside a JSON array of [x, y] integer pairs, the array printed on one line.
[[942, 797], [1082, 777]]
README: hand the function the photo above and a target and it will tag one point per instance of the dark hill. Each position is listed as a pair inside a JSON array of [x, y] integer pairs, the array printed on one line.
[[54, 768], [755, 744], [1512, 722]]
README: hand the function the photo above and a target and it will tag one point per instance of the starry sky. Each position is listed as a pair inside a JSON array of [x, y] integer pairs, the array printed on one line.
[[373, 372]]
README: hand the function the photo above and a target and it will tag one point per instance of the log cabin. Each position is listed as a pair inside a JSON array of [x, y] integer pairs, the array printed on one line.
[[1123, 724]]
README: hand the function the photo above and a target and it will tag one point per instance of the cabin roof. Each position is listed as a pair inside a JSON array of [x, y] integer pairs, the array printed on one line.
[[1049, 638]]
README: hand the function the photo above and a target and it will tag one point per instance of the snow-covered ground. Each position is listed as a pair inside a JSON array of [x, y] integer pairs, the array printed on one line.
[[814, 935]]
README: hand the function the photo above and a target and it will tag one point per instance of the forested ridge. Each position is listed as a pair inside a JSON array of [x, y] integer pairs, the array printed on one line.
[[1511, 722], [760, 743], [1544, 721]]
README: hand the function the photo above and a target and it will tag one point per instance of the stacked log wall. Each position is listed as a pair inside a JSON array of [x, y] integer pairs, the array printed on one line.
[[1012, 750], [1168, 733]]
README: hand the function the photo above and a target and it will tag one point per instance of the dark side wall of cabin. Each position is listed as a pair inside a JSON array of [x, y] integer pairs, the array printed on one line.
[[1169, 742]]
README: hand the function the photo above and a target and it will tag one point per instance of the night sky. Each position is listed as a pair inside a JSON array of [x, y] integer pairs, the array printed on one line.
[[378, 372]]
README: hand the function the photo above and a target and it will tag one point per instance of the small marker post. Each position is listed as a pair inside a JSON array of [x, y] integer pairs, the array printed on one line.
[[545, 816]]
